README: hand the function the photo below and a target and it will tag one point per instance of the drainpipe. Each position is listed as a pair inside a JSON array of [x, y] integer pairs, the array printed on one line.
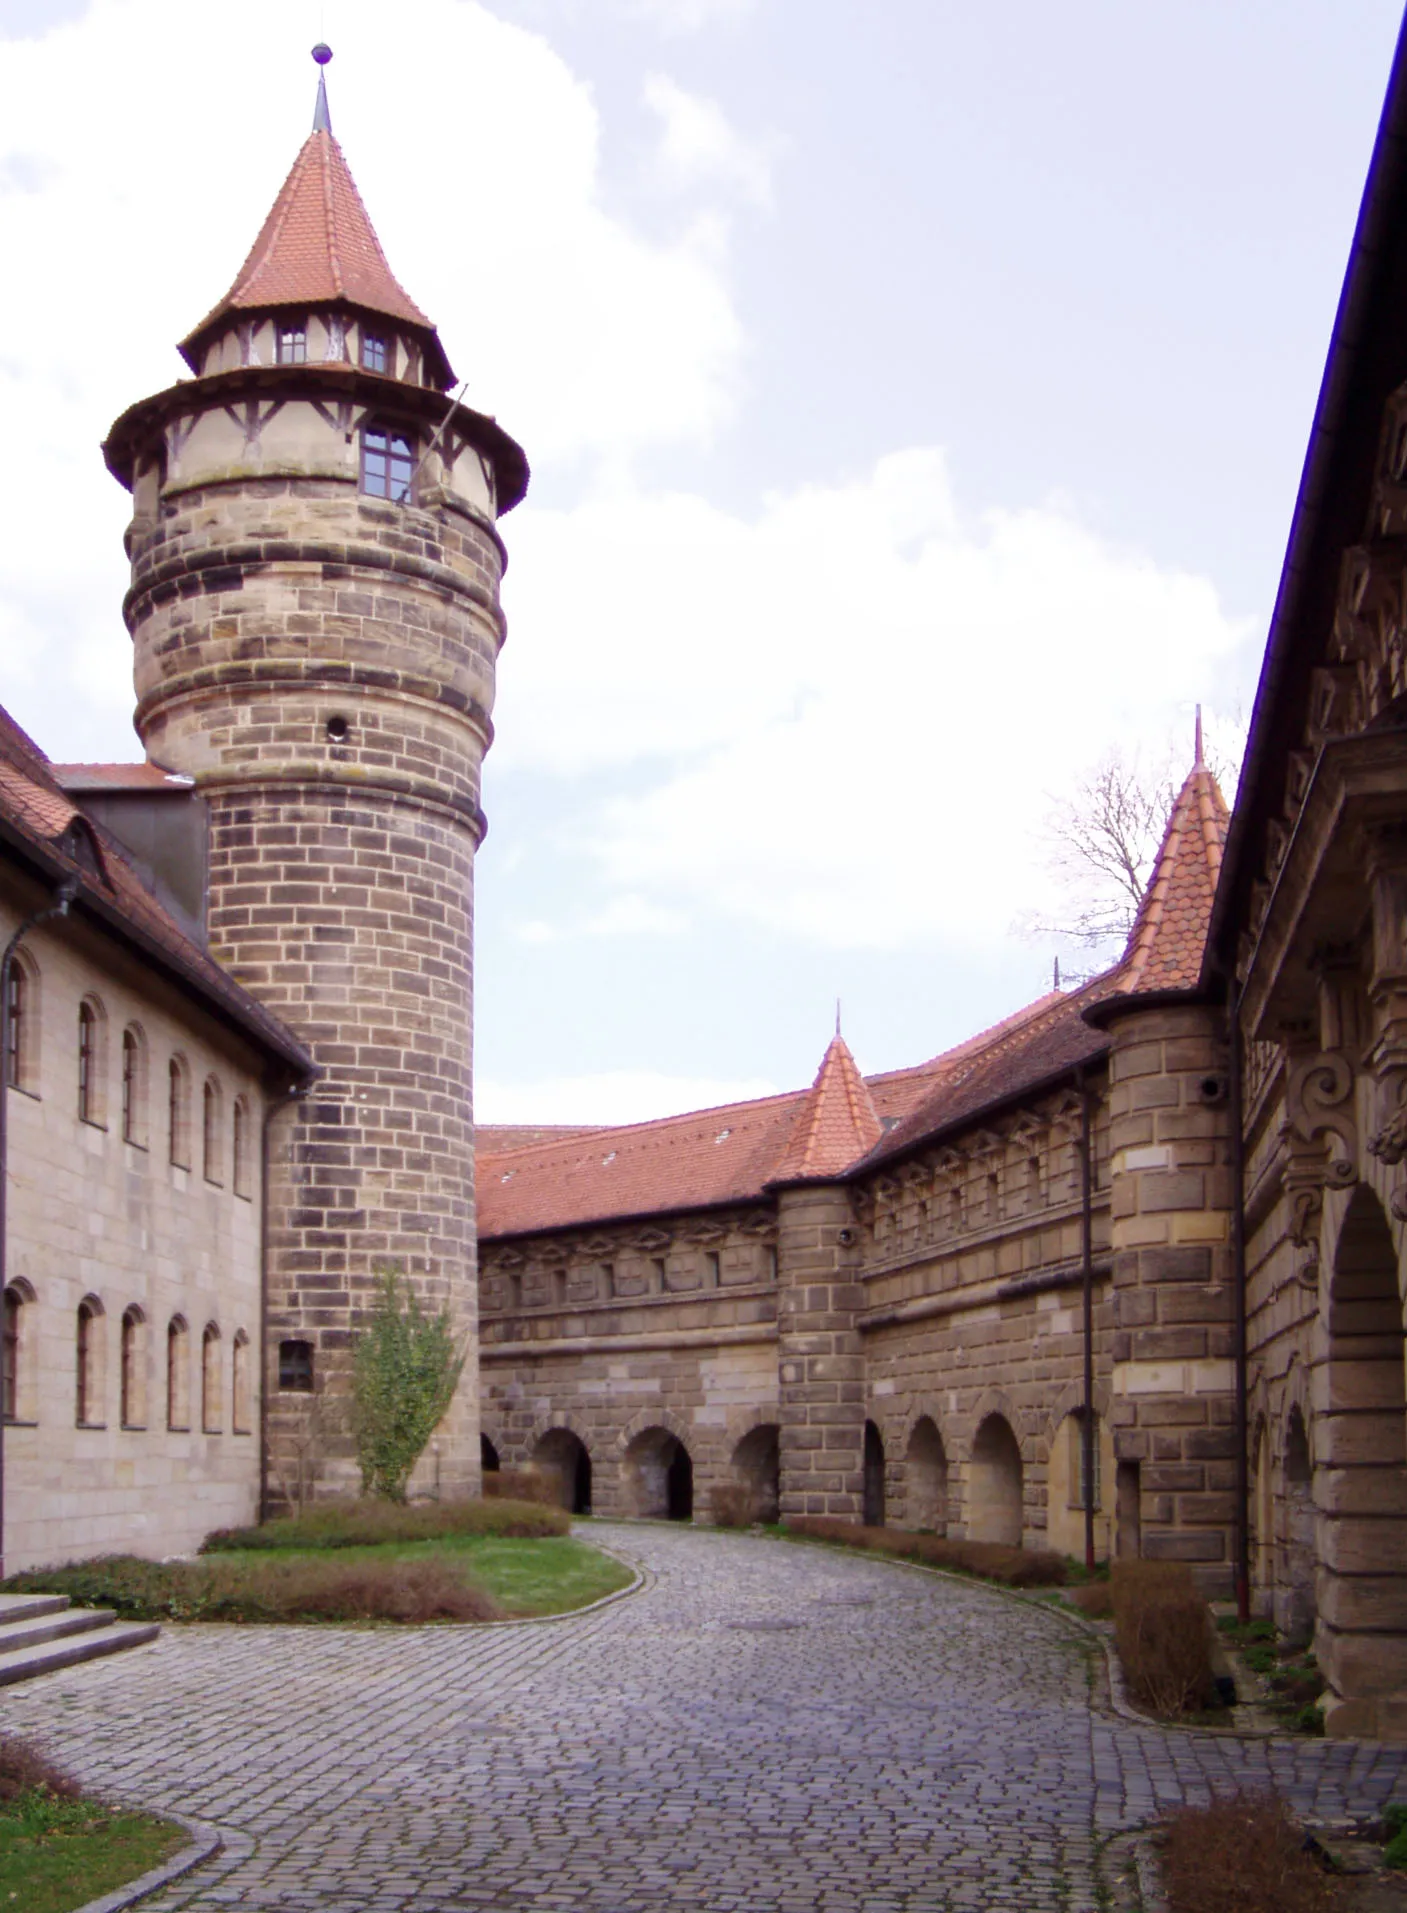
[[63, 897], [1087, 1299], [291, 1093], [1238, 1279]]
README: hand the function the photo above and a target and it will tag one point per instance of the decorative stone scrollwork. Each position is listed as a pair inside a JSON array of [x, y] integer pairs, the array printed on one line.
[[1319, 1105]]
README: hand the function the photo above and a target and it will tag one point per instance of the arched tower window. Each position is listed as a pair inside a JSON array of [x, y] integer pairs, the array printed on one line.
[[388, 463], [178, 1374], [240, 1124], [133, 1086], [210, 1130], [134, 1368], [89, 1363], [90, 1061], [211, 1405], [22, 1025], [177, 1114], [241, 1413]]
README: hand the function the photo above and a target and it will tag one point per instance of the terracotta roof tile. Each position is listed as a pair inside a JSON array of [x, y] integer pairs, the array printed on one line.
[[834, 1125], [38, 813], [100, 777], [317, 247], [1169, 935]]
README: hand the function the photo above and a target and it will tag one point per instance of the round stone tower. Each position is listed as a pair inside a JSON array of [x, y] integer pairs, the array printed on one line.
[[315, 614]]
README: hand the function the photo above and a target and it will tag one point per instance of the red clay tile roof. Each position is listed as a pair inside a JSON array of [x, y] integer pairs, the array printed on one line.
[[317, 247], [38, 818], [1169, 935], [491, 1139], [100, 777], [835, 1124]]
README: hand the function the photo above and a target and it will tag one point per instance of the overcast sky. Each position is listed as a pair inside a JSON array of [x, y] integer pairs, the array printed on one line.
[[916, 394]]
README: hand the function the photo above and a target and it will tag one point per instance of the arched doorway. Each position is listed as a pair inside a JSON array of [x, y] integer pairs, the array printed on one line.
[[488, 1456], [1360, 1443], [926, 1471], [994, 1484], [757, 1463], [1294, 1597], [659, 1477], [873, 1513], [563, 1458]]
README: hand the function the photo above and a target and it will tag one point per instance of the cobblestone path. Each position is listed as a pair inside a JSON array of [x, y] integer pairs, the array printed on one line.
[[763, 1727]]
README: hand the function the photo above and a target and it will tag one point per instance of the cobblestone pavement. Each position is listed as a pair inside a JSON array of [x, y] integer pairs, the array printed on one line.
[[763, 1727]]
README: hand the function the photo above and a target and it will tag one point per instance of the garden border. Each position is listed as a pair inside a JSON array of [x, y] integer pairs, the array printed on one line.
[[207, 1839]]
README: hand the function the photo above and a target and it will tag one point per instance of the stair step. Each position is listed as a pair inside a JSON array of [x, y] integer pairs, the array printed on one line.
[[49, 1656], [26, 1607], [53, 1627]]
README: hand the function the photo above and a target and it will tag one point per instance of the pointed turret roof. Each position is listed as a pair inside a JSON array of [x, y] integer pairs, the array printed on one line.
[[1169, 934], [317, 247], [835, 1125]]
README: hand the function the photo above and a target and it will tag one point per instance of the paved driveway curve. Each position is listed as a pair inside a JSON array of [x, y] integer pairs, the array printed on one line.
[[763, 1727]]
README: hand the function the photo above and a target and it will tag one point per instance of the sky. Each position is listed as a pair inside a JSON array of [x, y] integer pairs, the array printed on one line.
[[916, 395]]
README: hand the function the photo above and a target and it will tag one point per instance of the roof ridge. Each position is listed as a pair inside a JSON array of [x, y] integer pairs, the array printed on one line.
[[628, 1129]]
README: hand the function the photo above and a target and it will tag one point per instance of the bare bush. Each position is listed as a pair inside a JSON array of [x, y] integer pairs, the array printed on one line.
[[1239, 1856], [1013, 1567], [521, 1484], [1163, 1630], [733, 1504], [23, 1769]]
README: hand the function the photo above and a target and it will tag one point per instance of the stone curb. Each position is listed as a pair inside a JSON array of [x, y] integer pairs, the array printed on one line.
[[206, 1841], [1148, 1887]]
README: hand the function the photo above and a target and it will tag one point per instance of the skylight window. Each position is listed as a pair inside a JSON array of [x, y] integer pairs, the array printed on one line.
[[723, 1135], [607, 1160]]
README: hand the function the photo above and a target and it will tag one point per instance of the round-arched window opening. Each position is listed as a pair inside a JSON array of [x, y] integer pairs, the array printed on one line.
[[337, 728]]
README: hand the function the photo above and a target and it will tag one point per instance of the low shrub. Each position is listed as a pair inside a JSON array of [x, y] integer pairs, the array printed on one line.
[[1239, 1856], [733, 1505], [521, 1484], [1012, 1567], [370, 1523], [266, 1591], [1095, 1599], [1163, 1631], [24, 1770]]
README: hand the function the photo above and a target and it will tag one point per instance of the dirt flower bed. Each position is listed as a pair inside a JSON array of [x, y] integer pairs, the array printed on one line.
[[372, 1523], [266, 1591], [1012, 1567]]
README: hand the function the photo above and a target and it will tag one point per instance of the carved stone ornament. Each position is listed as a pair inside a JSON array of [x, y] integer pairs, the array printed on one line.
[[1319, 1106]]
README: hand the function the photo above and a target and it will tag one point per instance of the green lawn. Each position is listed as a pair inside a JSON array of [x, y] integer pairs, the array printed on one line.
[[59, 1854], [525, 1577]]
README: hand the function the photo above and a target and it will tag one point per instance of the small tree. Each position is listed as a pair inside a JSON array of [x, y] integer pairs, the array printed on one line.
[[405, 1370]]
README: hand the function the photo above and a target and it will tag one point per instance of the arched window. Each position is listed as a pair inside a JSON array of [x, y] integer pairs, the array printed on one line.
[[241, 1417], [210, 1403], [241, 1146], [22, 1025], [89, 1363], [178, 1374], [177, 1122], [134, 1368], [388, 463], [133, 1086], [87, 1062], [14, 1356], [210, 1130]]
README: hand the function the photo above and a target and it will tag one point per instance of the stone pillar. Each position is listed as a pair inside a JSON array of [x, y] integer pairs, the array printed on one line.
[[1173, 1381], [821, 1362]]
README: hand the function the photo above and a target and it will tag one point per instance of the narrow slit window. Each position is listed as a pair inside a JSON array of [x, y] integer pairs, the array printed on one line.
[[241, 1147], [87, 1061], [176, 1114], [388, 463], [210, 1131], [15, 1027], [10, 1366], [131, 1074]]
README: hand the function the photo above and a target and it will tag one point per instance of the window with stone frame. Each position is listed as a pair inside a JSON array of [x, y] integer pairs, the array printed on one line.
[[133, 1377], [178, 1113], [91, 1022], [211, 1131], [291, 347], [1080, 1487], [295, 1367], [241, 1409], [88, 1365], [388, 462], [178, 1375], [134, 1073], [211, 1405], [10, 1354], [240, 1126], [22, 1025]]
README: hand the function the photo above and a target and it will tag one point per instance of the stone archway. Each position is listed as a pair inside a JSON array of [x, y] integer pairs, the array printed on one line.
[[926, 1471], [564, 1459], [1360, 1447], [488, 1456], [873, 1510], [757, 1465], [994, 1484], [1294, 1593], [658, 1476]]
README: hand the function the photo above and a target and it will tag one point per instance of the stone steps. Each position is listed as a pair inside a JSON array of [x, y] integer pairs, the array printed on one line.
[[40, 1633]]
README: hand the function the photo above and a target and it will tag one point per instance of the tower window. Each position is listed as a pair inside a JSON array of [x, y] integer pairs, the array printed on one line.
[[87, 1063], [295, 1367], [15, 1026], [374, 353], [293, 344], [387, 463]]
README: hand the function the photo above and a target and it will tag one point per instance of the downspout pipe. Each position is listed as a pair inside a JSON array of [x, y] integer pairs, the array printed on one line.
[[1238, 1283], [63, 897], [1087, 1434], [290, 1093]]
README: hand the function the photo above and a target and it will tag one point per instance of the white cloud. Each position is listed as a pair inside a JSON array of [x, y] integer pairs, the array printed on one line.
[[614, 1096], [699, 146], [686, 16], [848, 712], [591, 342]]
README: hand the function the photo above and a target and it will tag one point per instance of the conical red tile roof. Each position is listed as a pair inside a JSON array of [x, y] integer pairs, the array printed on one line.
[[835, 1125], [317, 247], [1169, 934]]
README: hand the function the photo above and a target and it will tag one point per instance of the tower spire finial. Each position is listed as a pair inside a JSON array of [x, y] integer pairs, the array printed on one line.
[[837, 1016], [322, 119], [1198, 763]]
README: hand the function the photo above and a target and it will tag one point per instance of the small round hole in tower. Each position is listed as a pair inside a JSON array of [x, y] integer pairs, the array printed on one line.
[[337, 728]]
